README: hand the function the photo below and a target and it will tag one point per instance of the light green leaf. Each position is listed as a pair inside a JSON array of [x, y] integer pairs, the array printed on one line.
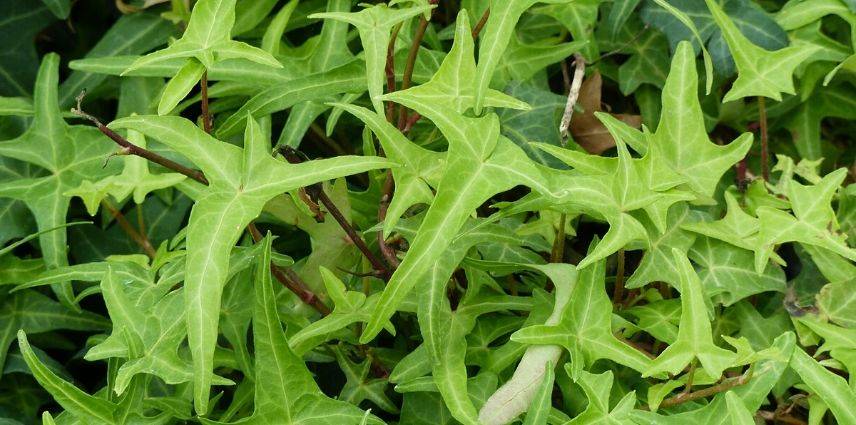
[[543, 399], [760, 72], [753, 393], [87, 408], [681, 142], [241, 183], [727, 272], [135, 181], [206, 40], [813, 221], [695, 339], [831, 388], [70, 154], [585, 327], [597, 389], [494, 39], [374, 25], [479, 164], [293, 396]]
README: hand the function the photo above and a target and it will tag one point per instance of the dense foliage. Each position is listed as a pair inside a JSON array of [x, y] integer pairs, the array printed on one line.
[[423, 212]]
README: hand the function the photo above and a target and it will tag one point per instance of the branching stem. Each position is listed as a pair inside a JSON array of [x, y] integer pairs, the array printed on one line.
[[129, 148], [316, 191], [286, 277], [707, 392], [291, 280]]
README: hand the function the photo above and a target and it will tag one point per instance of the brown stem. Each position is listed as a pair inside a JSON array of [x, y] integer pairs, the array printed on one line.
[[129, 148], [618, 291], [390, 71], [387, 251], [557, 255], [287, 277], [707, 392], [477, 29], [376, 263], [206, 116], [291, 280], [317, 191], [690, 375], [765, 155], [411, 121], [406, 79], [137, 237]]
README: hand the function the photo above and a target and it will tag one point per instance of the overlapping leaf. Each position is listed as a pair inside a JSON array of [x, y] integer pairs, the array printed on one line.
[[241, 182]]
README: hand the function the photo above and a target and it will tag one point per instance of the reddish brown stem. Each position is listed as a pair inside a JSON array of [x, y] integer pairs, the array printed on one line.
[[129, 148], [291, 280], [390, 71], [126, 226], [707, 392], [206, 116], [477, 29], [317, 191], [407, 77], [287, 278], [411, 121], [765, 154], [387, 251]]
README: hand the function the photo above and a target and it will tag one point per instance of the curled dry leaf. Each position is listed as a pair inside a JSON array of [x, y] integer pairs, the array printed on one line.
[[588, 131]]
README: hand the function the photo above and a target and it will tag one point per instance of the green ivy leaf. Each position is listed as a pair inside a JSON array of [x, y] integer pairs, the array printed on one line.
[[374, 25], [760, 72], [765, 375], [479, 164], [695, 338], [597, 389], [241, 183], [812, 223], [831, 388], [22, 20], [70, 153], [35, 313], [585, 327], [727, 272], [205, 41], [293, 397], [496, 35]]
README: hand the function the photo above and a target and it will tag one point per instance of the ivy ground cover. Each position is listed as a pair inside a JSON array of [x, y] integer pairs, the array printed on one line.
[[428, 212]]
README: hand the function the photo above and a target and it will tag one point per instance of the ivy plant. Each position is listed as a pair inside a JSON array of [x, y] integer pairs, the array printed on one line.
[[478, 212]]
